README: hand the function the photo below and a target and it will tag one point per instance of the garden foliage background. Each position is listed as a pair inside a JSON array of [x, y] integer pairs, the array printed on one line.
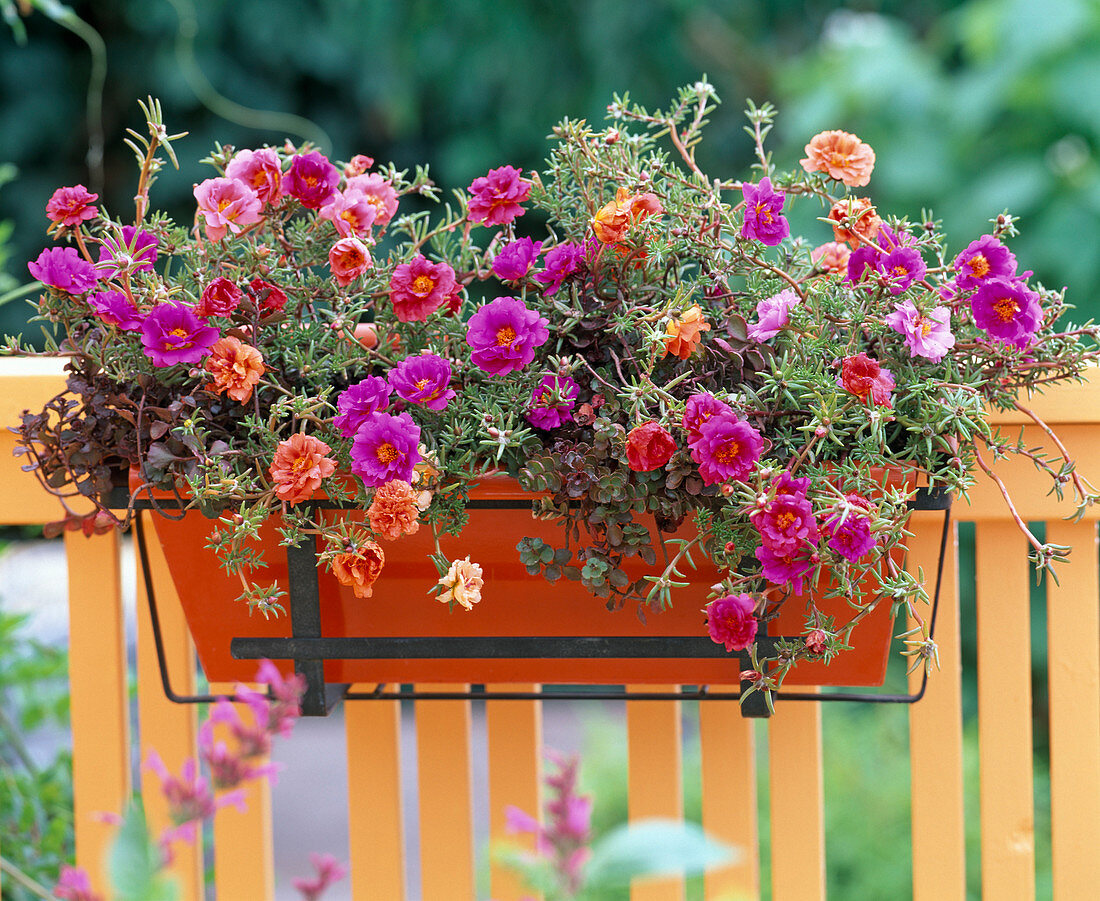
[[971, 108]]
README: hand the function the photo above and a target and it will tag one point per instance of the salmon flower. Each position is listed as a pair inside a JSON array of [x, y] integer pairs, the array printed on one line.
[[360, 567], [832, 256], [841, 156], [685, 332], [299, 466], [613, 220], [236, 368], [394, 511], [854, 220], [462, 584]]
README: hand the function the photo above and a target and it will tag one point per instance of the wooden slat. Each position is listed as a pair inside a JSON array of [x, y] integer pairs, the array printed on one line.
[[243, 855], [100, 716], [446, 818], [935, 729], [375, 814], [514, 733], [727, 749], [169, 728], [1073, 650], [1004, 713], [797, 802], [656, 786]]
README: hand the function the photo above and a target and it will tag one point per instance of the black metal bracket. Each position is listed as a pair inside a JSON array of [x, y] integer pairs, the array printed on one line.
[[309, 649]]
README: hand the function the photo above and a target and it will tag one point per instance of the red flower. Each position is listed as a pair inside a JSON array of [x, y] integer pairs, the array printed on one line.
[[268, 297], [219, 298], [866, 379], [648, 446]]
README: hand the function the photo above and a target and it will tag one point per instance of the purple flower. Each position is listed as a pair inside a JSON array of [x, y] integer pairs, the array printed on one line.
[[312, 179], [115, 308], [727, 448], [774, 313], [1008, 310], [784, 569], [902, 266], [172, 334], [925, 336], [423, 379], [763, 213], [982, 260], [384, 449], [504, 334], [698, 410], [137, 251], [515, 260], [358, 401], [851, 538], [552, 402], [561, 262], [63, 268], [863, 262], [73, 883]]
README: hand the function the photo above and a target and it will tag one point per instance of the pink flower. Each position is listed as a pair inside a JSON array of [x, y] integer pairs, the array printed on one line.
[[352, 212], [378, 192], [849, 530], [358, 164], [260, 170], [728, 448], [698, 410], [348, 259], [496, 197], [65, 269], [1008, 310], [902, 266], [359, 401], [71, 206], [74, 884], [228, 768], [116, 309], [226, 205], [385, 448], [219, 298], [730, 621], [764, 213], [329, 870], [868, 381], [516, 259], [504, 334], [925, 336], [552, 402], [785, 569], [560, 262], [134, 251], [171, 333], [774, 313], [982, 260], [423, 379], [786, 523], [190, 800], [311, 180], [418, 288]]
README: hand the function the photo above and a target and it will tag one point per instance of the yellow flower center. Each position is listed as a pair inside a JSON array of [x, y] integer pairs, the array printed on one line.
[[302, 463], [979, 266], [839, 160], [1006, 309], [784, 520], [386, 452], [505, 336], [899, 271], [764, 213], [924, 325], [422, 284], [728, 452]]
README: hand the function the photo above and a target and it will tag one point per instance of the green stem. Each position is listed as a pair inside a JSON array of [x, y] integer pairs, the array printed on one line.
[[12, 735], [23, 879], [23, 291]]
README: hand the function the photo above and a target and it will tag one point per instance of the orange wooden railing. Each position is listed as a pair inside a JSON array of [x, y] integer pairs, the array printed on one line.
[[446, 866]]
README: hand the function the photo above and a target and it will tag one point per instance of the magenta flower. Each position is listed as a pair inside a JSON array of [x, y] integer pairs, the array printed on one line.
[[281, 709], [516, 259], [65, 269], [384, 449], [764, 213], [788, 484], [863, 263], [552, 402], [115, 308], [774, 313], [172, 333], [560, 262], [357, 402], [329, 870], [190, 800], [1008, 310], [786, 524], [74, 884], [982, 260], [698, 410], [260, 170], [785, 569], [423, 379], [728, 448], [418, 288], [136, 251], [230, 768], [504, 334], [925, 336], [226, 206], [496, 197], [901, 267], [71, 207], [730, 621], [311, 180], [850, 535]]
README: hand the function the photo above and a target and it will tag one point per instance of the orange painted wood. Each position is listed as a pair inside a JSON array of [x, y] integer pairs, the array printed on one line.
[[376, 833], [446, 815], [797, 802], [243, 855], [935, 729], [167, 727], [655, 777], [727, 748], [514, 733], [1004, 713], [100, 715], [1073, 648]]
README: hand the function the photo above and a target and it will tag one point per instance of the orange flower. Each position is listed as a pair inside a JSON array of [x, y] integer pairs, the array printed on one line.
[[613, 219], [685, 332], [462, 584], [831, 257], [854, 220], [394, 511], [236, 368], [299, 466], [359, 568], [842, 156]]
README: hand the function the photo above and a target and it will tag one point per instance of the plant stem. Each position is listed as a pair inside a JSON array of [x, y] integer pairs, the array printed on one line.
[[24, 880]]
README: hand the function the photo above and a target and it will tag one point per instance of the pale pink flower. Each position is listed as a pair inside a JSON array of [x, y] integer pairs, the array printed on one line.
[[226, 205], [462, 584], [260, 170], [352, 212], [379, 192]]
